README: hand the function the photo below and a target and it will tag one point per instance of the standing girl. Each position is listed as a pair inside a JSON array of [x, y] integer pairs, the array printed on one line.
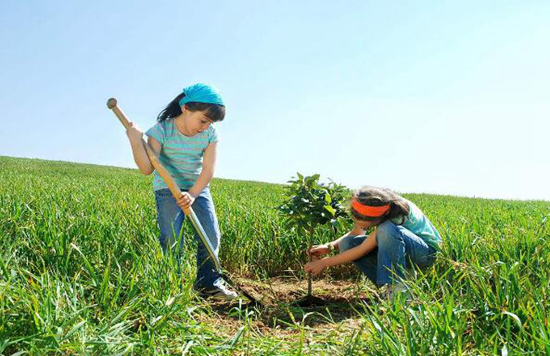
[[403, 236], [185, 141]]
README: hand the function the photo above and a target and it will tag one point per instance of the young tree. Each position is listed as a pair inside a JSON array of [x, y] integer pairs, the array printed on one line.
[[310, 204]]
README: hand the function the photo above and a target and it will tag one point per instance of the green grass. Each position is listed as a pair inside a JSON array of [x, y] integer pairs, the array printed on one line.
[[81, 272]]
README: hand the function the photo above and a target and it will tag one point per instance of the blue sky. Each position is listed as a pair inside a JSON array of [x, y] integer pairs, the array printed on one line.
[[437, 97]]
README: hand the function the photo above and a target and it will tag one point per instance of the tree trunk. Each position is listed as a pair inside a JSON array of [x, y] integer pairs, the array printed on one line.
[[309, 281]]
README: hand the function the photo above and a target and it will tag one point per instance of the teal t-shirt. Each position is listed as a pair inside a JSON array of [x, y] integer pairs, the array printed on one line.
[[419, 225], [181, 155]]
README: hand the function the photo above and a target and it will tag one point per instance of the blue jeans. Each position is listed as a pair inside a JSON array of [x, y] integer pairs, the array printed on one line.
[[397, 250], [170, 220]]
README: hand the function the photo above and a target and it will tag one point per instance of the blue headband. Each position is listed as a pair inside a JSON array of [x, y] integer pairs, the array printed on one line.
[[201, 93]]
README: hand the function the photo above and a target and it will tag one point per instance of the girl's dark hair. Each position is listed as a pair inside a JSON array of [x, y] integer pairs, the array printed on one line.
[[214, 112], [373, 196]]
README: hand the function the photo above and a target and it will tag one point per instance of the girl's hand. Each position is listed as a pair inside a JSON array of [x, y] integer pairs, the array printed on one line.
[[185, 200], [134, 133], [315, 267], [318, 250]]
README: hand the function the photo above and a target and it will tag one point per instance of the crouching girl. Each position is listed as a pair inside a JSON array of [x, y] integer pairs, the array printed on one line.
[[403, 237]]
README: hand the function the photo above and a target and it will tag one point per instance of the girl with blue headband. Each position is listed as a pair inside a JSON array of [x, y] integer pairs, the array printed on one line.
[[185, 141]]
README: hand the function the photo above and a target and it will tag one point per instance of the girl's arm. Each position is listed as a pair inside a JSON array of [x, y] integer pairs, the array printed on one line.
[[138, 149], [208, 165]]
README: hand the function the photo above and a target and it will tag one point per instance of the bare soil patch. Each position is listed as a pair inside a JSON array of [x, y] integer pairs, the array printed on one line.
[[342, 302]]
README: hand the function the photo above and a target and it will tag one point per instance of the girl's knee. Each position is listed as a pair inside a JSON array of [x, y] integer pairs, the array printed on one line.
[[386, 233], [350, 242], [345, 244]]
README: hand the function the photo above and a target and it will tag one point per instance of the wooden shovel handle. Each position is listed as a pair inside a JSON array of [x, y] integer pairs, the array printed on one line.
[[176, 192]]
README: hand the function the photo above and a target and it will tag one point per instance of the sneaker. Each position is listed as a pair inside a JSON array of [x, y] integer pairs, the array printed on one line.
[[392, 291], [219, 291]]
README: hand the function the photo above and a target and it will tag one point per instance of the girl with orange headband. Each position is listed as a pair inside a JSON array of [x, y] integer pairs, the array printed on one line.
[[403, 237]]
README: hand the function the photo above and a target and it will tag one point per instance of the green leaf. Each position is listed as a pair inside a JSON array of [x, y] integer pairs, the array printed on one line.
[[330, 209], [515, 317]]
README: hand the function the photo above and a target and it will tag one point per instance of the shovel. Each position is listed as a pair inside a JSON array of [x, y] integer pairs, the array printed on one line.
[[176, 192]]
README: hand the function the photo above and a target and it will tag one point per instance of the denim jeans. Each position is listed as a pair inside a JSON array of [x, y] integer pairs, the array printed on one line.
[[170, 220], [397, 249]]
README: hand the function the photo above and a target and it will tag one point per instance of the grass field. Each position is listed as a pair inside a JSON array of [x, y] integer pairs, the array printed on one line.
[[81, 272]]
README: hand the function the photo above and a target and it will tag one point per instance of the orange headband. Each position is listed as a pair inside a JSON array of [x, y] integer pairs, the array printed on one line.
[[370, 211]]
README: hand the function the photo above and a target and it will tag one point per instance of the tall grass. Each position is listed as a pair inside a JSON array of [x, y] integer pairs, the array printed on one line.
[[81, 271]]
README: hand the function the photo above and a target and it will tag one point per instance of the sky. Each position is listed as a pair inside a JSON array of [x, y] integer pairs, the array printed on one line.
[[443, 97]]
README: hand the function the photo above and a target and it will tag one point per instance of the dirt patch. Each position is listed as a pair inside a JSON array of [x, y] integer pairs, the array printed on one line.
[[339, 302]]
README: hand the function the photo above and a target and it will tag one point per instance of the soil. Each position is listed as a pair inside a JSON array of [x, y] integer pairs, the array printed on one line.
[[284, 305]]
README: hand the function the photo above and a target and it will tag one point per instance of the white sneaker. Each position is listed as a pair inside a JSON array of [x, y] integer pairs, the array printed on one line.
[[219, 291], [393, 290]]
